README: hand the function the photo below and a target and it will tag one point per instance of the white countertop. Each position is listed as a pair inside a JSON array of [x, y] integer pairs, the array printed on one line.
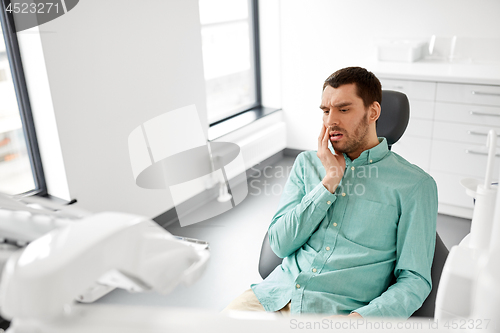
[[427, 70]]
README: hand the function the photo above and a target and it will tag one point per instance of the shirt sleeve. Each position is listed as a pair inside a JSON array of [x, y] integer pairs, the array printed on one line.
[[299, 213], [416, 239]]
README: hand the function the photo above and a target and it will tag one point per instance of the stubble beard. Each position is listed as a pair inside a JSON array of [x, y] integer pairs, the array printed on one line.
[[355, 142]]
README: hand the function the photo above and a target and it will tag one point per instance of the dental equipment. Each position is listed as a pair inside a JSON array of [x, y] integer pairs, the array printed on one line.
[[467, 288], [40, 284]]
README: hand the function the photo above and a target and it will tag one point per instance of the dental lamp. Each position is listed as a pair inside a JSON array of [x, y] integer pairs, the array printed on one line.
[[26, 218], [40, 283]]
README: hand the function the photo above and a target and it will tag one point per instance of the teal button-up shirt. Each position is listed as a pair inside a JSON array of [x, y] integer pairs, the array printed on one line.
[[343, 251]]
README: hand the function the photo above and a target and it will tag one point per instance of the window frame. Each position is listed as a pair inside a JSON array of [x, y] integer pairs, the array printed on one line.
[[23, 101], [256, 48], [254, 21]]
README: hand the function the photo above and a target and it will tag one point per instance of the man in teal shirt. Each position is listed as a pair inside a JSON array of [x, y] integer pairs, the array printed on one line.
[[353, 217]]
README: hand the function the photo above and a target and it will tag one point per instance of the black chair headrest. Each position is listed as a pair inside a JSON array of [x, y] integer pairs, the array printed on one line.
[[394, 116]]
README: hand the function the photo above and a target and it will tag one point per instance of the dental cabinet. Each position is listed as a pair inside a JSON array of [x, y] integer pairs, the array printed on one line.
[[452, 108]]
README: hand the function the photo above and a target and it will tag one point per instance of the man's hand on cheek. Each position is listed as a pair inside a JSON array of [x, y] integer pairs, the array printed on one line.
[[334, 164]]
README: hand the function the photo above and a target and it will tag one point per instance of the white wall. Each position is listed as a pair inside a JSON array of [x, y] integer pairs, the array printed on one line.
[[113, 65], [321, 36], [270, 52]]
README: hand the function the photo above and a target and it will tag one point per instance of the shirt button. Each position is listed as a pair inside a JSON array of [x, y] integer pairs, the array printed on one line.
[[327, 248], [335, 224], [328, 202], [314, 270], [298, 286], [343, 194], [352, 168], [371, 161]]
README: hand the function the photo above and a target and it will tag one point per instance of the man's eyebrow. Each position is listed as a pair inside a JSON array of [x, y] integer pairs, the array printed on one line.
[[342, 104], [338, 105]]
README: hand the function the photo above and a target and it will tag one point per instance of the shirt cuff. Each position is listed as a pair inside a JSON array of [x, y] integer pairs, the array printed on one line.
[[370, 310], [321, 197]]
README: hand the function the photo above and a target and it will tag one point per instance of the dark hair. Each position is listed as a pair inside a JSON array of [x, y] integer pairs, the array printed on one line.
[[368, 87]]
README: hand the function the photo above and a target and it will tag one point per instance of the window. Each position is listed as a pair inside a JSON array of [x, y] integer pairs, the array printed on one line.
[[229, 43], [20, 165]]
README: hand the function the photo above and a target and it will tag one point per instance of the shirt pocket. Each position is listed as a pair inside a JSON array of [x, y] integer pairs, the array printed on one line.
[[372, 224]]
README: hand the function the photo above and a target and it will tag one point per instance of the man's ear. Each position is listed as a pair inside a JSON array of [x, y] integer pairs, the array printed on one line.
[[374, 112]]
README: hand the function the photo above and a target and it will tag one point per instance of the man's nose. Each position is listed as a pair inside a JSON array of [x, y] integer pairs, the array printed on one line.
[[331, 120]]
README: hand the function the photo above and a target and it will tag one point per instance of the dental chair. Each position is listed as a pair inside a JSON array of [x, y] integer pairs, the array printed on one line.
[[391, 125]]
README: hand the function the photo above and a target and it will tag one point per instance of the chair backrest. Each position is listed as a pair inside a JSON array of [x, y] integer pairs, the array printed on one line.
[[391, 124], [268, 259], [394, 116], [440, 255]]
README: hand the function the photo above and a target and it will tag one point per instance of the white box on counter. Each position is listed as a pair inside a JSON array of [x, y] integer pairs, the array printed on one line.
[[400, 51]]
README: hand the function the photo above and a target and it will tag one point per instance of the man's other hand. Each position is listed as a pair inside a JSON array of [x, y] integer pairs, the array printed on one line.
[[352, 315], [334, 164]]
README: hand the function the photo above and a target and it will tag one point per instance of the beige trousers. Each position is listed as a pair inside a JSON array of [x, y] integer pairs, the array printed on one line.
[[249, 302]]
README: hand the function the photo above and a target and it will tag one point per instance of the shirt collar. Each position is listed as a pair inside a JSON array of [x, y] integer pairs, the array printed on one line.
[[369, 156]]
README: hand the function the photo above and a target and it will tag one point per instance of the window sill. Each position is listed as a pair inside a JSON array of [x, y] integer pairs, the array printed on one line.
[[226, 126]]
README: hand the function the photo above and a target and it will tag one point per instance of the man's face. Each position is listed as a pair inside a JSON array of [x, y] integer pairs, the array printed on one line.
[[346, 119]]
